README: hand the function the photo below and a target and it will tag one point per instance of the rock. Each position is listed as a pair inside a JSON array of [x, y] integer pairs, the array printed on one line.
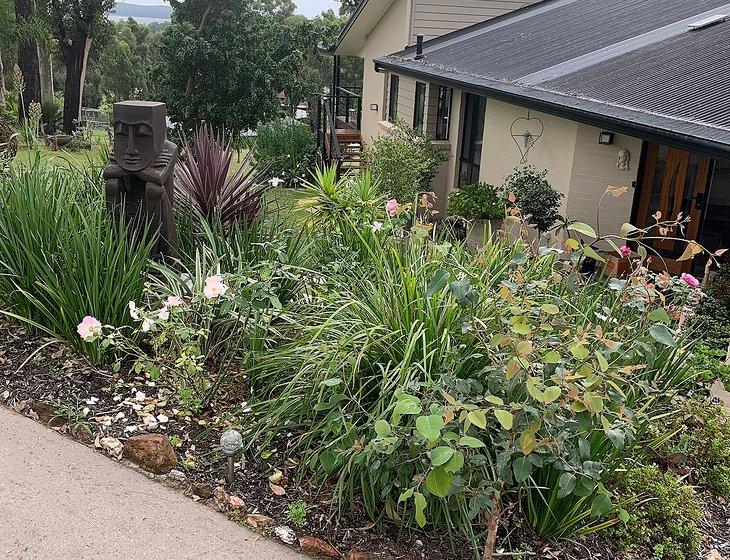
[[177, 476], [714, 555], [257, 520], [221, 499], [236, 503], [112, 447], [355, 554], [83, 434], [203, 490], [317, 547], [46, 414], [152, 452], [285, 534]]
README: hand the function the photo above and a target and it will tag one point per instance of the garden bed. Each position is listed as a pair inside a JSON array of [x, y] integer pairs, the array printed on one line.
[[121, 405]]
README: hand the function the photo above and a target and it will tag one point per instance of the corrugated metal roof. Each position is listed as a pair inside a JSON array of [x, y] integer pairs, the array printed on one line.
[[635, 62]]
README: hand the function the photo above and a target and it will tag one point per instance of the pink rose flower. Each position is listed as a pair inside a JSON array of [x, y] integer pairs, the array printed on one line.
[[691, 280], [625, 251], [391, 207], [173, 301], [214, 287], [89, 329]]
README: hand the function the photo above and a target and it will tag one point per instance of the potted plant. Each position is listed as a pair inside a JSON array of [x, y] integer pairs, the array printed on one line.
[[481, 204], [538, 201]]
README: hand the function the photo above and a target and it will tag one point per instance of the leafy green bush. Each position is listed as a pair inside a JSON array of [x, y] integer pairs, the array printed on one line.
[[710, 366], [60, 258], [477, 202], [404, 161], [663, 516], [544, 372], [286, 147], [534, 196], [699, 433]]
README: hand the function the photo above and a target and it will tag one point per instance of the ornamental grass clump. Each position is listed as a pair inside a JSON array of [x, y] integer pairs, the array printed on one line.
[[61, 258]]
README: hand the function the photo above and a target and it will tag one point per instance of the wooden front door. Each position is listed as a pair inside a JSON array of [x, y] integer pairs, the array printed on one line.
[[674, 184]]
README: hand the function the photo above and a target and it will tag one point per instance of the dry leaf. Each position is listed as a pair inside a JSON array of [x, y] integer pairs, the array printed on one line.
[[276, 489]]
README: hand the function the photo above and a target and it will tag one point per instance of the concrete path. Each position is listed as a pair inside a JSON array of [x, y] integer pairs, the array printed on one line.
[[60, 500]]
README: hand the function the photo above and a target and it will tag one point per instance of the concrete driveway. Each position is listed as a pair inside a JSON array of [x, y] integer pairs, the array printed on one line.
[[60, 500]]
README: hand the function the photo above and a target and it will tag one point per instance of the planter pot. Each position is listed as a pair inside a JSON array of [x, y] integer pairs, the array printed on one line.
[[480, 232], [62, 140]]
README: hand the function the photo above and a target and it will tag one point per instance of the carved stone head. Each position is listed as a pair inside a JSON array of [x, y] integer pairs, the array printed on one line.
[[140, 130]]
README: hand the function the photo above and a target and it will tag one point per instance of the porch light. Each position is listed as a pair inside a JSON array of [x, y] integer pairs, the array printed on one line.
[[605, 138]]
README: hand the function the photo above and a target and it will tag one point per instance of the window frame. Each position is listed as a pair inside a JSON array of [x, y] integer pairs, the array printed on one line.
[[419, 106], [393, 97], [443, 112]]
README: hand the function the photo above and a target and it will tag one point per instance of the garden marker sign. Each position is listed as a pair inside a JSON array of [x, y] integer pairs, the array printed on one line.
[[139, 176]]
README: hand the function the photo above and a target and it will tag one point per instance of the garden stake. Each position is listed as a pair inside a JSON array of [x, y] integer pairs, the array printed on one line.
[[231, 443]]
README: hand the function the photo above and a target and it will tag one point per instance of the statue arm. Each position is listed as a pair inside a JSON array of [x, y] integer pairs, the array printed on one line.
[[114, 191]]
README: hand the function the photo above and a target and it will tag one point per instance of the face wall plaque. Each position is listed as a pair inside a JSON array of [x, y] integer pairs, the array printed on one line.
[[139, 133]]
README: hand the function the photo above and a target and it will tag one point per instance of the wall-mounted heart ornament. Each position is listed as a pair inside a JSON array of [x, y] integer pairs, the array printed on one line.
[[525, 131]]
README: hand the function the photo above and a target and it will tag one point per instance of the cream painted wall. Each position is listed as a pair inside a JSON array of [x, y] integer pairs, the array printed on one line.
[[387, 36], [594, 169], [554, 150]]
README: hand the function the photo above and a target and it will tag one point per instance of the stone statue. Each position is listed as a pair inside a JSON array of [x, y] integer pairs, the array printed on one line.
[[624, 160], [139, 176]]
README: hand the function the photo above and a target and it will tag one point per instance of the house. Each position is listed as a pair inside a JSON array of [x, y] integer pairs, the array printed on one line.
[[598, 92]]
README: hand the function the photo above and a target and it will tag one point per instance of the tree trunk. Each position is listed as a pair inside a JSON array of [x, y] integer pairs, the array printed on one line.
[[75, 58], [492, 532], [45, 68], [28, 59], [2, 86]]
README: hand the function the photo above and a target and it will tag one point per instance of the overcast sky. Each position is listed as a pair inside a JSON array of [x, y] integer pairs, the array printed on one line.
[[309, 8]]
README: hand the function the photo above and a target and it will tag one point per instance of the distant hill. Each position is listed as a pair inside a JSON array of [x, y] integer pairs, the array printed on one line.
[[125, 10]]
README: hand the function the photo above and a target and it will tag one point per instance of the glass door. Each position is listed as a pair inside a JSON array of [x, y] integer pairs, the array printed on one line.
[[475, 108], [673, 187]]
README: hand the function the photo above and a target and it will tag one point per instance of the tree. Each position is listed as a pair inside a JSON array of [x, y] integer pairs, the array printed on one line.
[[348, 7], [225, 62], [75, 23], [28, 60]]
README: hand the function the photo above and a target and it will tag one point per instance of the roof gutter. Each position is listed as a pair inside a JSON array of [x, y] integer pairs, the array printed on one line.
[[550, 104]]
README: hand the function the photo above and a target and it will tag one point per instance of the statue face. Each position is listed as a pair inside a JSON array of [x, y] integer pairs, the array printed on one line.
[[139, 133]]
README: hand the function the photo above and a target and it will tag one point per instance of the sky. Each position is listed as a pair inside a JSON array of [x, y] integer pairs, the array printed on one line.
[[309, 8]]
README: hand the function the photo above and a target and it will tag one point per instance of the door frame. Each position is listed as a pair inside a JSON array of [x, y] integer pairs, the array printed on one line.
[[473, 125]]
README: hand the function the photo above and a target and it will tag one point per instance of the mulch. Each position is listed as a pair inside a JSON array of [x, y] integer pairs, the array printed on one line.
[[45, 379]]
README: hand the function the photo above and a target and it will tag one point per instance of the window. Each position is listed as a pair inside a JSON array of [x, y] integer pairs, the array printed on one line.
[[471, 148], [393, 101], [419, 106], [443, 112]]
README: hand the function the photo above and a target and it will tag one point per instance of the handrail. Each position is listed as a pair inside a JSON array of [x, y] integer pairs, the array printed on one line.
[[336, 153], [348, 93]]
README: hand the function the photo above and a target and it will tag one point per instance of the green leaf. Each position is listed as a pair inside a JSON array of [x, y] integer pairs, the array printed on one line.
[[438, 482], [334, 382], [492, 399], [405, 495], [566, 484], [382, 428], [623, 515], [456, 463], [441, 455], [662, 334], [420, 502], [627, 229], [522, 468], [551, 394], [550, 309], [430, 426], [551, 357], [590, 252], [601, 505], [528, 442], [616, 437], [659, 315], [438, 282], [593, 402], [468, 441], [602, 361], [580, 352], [505, 418], [406, 405], [522, 329], [583, 228], [478, 418]]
